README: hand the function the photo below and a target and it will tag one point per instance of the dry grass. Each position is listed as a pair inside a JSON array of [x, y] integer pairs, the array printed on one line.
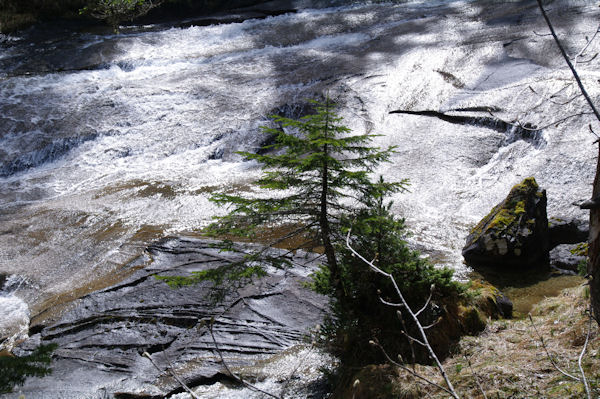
[[510, 362]]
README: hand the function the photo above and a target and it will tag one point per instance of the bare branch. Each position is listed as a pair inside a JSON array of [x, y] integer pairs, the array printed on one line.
[[427, 327], [565, 102], [475, 376], [556, 122], [411, 372], [412, 348], [173, 374], [590, 60], [411, 338], [586, 46], [392, 304], [432, 354], [427, 301], [568, 61], [587, 339], [289, 379], [592, 131], [231, 373]]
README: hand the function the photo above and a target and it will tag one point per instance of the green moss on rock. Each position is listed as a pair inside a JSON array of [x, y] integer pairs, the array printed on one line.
[[509, 211], [515, 232], [473, 321]]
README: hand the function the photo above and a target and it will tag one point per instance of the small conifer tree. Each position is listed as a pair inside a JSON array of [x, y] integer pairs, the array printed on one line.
[[361, 315], [315, 172], [316, 178]]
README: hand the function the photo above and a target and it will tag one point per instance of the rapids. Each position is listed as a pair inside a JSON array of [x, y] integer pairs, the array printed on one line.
[[108, 142]]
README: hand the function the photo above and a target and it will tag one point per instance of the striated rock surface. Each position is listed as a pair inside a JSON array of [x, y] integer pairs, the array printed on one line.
[[103, 337], [514, 233]]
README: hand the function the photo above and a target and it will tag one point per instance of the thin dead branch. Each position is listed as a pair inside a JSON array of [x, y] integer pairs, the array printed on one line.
[[583, 350], [550, 357], [231, 373], [586, 46], [414, 317], [289, 379], [411, 372], [417, 313], [391, 304], [173, 374], [568, 61], [475, 376], [410, 344], [538, 128]]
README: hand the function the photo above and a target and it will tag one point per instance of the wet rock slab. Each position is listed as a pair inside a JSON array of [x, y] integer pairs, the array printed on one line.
[[565, 258], [103, 337]]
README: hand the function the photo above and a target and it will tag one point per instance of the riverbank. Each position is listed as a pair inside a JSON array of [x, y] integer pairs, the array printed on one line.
[[508, 359], [17, 15]]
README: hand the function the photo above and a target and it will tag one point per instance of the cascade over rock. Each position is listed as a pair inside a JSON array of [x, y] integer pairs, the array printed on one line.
[[514, 233]]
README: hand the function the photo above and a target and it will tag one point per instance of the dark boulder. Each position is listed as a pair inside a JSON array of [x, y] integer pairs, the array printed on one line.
[[567, 231], [569, 257], [514, 233]]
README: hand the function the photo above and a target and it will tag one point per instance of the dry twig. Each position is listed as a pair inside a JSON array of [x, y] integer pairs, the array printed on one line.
[[475, 376], [579, 360], [231, 373], [173, 374], [568, 61], [541, 338], [425, 341]]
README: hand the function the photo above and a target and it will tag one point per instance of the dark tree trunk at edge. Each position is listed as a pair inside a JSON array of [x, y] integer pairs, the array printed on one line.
[[594, 204]]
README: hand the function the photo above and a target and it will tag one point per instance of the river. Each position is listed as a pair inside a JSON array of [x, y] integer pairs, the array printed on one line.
[[108, 142]]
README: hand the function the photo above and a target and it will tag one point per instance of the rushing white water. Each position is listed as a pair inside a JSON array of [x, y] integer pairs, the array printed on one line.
[[14, 323], [107, 142]]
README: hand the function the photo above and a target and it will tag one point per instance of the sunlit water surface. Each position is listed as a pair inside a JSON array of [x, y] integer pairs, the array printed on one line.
[[110, 141]]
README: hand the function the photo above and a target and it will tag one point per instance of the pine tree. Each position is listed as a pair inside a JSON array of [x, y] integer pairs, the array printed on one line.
[[315, 172], [316, 178], [360, 315], [115, 11]]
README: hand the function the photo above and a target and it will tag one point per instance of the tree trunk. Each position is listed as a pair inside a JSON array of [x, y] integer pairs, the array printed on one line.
[[594, 246], [334, 274], [594, 203]]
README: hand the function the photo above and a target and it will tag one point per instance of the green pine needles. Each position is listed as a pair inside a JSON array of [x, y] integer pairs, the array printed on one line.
[[115, 11], [360, 314], [14, 370], [315, 173], [316, 186]]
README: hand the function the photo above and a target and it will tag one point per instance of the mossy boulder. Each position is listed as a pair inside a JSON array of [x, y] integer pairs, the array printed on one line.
[[514, 233]]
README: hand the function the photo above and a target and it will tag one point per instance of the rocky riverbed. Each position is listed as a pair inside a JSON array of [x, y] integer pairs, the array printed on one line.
[[108, 142], [103, 336]]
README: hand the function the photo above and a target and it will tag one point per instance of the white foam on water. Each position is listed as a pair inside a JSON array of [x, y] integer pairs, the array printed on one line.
[[298, 366], [14, 320], [144, 139]]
